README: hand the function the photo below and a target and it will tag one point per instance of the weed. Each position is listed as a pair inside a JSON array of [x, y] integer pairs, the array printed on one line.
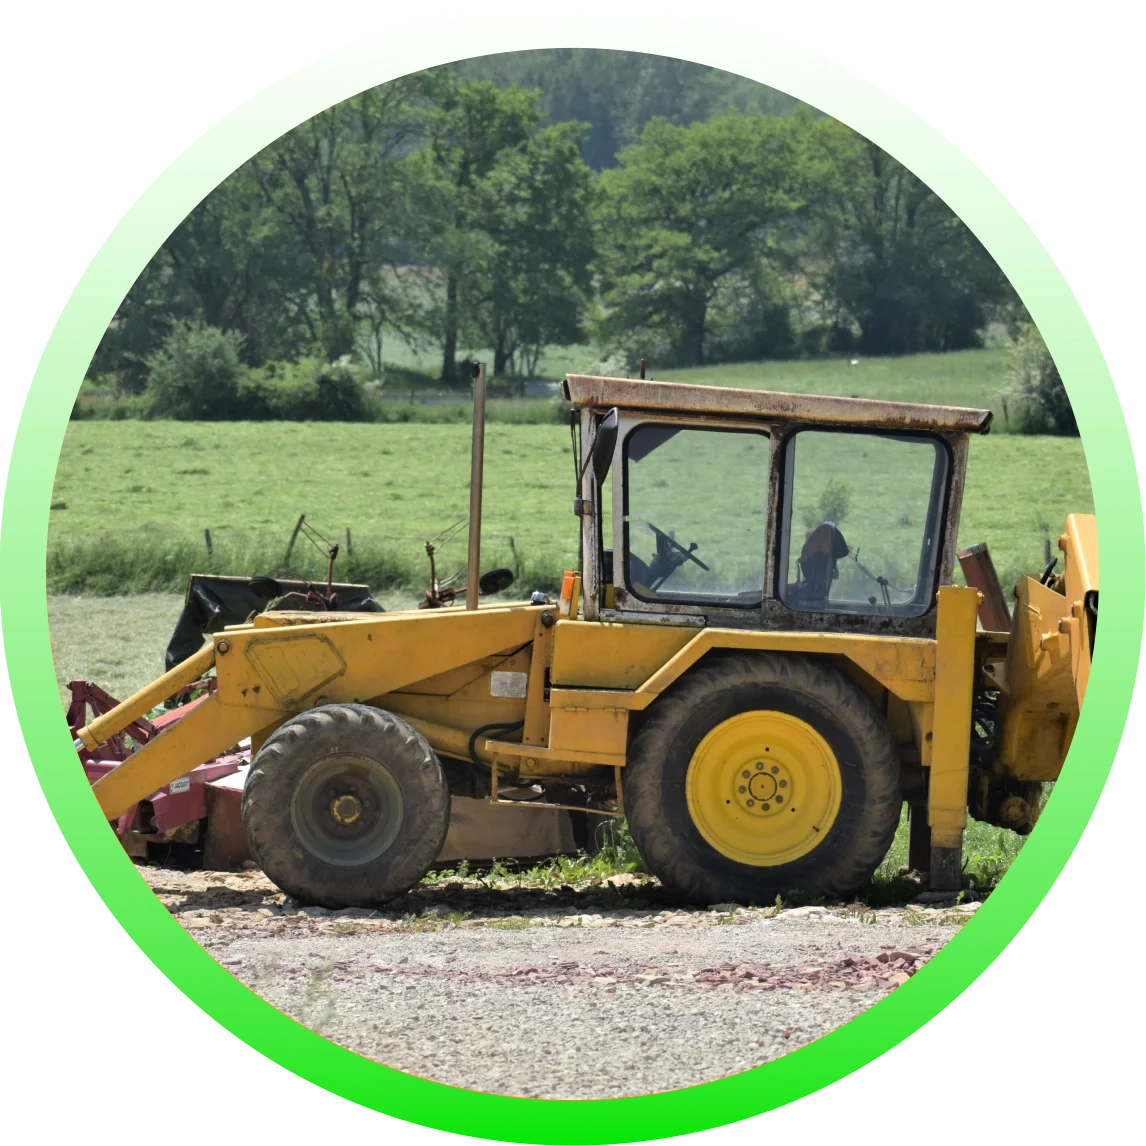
[[514, 923], [342, 929]]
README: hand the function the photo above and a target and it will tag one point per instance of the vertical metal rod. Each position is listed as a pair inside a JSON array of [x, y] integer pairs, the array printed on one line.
[[293, 537], [473, 571]]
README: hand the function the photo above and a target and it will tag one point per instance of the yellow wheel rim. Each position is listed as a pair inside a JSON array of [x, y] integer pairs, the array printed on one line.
[[763, 788]]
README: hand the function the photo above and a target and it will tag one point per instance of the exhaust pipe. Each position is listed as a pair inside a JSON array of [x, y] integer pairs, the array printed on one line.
[[477, 456]]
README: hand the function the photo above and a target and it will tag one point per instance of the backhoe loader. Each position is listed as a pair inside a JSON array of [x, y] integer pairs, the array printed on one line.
[[763, 656]]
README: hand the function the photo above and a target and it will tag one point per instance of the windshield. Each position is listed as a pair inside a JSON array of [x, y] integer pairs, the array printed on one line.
[[861, 522], [697, 508]]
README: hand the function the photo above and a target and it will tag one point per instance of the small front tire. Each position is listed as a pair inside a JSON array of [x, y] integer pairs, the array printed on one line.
[[346, 806]]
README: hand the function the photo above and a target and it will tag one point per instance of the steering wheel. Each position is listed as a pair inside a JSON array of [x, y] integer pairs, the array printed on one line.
[[670, 556], [688, 553]]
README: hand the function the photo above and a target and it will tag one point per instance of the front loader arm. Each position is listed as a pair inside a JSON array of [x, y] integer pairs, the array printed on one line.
[[284, 664], [209, 729]]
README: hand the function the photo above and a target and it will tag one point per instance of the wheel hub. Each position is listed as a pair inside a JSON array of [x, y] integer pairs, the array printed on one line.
[[346, 809], [763, 788]]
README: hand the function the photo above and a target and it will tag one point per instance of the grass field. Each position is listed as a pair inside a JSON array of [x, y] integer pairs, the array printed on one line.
[[132, 500], [962, 378]]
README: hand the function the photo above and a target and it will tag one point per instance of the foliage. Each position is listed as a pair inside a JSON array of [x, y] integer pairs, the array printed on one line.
[[314, 391], [442, 213], [532, 286], [1035, 389], [688, 209], [894, 270], [197, 374], [617, 93], [337, 193]]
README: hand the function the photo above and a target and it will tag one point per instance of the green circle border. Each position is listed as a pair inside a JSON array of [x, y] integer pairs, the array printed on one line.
[[750, 53]]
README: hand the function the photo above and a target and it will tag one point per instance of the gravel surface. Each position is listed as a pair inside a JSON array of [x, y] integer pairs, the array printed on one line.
[[563, 993]]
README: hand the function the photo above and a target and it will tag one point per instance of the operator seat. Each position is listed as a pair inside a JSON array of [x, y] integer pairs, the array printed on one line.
[[817, 564]]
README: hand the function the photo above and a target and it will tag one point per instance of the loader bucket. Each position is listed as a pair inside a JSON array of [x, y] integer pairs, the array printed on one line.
[[214, 602]]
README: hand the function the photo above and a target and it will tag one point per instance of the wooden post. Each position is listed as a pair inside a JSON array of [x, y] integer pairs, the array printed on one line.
[[473, 571]]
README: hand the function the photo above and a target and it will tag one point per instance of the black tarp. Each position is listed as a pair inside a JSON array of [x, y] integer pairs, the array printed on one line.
[[212, 603]]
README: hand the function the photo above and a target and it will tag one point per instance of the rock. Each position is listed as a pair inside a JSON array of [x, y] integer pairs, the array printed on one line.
[[249, 865], [726, 908], [624, 879], [805, 913], [898, 978], [936, 897]]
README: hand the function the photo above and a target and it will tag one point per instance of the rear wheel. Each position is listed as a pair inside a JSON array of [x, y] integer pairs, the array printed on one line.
[[761, 774], [346, 806]]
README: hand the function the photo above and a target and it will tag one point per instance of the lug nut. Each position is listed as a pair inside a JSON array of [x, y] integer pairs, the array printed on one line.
[[779, 799], [763, 807], [742, 788], [783, 783], [774, 769], [759, 765], [751, 803], [746, 774]]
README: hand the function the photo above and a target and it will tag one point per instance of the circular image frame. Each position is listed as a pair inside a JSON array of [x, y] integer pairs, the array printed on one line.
[[110, 951]]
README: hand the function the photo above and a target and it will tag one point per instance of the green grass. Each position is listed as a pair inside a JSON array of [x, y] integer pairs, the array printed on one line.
[[119, 642], [963, 378], [987, 854], [132, 500]]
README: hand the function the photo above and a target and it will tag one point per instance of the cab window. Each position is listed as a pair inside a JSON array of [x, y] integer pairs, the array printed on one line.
[[696, 514], [862, 516]]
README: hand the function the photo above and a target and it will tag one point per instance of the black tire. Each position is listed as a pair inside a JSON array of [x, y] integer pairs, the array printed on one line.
[[346, 806], [719, 689]]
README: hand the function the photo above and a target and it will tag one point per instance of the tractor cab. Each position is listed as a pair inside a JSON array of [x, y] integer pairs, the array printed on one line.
[[751, 509]]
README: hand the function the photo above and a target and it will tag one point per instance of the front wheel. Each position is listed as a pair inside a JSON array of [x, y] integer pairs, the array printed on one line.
[[346, 806], [761, 774]]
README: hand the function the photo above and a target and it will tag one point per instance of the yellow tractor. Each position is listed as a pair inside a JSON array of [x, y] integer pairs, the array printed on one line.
[[762, 658]]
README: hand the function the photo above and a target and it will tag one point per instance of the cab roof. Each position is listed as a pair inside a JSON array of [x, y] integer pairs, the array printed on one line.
[[586, 390]]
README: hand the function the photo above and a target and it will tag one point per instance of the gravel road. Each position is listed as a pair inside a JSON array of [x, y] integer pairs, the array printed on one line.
[[566, 993]]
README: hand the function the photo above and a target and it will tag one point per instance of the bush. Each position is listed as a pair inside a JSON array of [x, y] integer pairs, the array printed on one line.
[[1035, 390], [197, 375], [311, 391]]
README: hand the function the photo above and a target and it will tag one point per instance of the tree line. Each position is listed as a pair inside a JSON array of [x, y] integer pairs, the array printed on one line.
[[452, 212]]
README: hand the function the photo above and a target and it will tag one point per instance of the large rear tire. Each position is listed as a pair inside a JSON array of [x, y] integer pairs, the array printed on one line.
[[346, 806], [761, 774]]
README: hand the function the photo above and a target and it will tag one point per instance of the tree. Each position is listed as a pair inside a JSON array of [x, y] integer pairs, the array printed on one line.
[[688, 208], [340, 188], [617, 93], [471, 126], [886, 254], [534, 210], [1033, 382]]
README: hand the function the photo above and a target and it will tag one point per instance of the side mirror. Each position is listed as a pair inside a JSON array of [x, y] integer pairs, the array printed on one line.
[[603, 445], [495, 581]]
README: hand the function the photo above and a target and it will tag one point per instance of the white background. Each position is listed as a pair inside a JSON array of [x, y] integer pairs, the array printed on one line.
[[1053, 107]]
